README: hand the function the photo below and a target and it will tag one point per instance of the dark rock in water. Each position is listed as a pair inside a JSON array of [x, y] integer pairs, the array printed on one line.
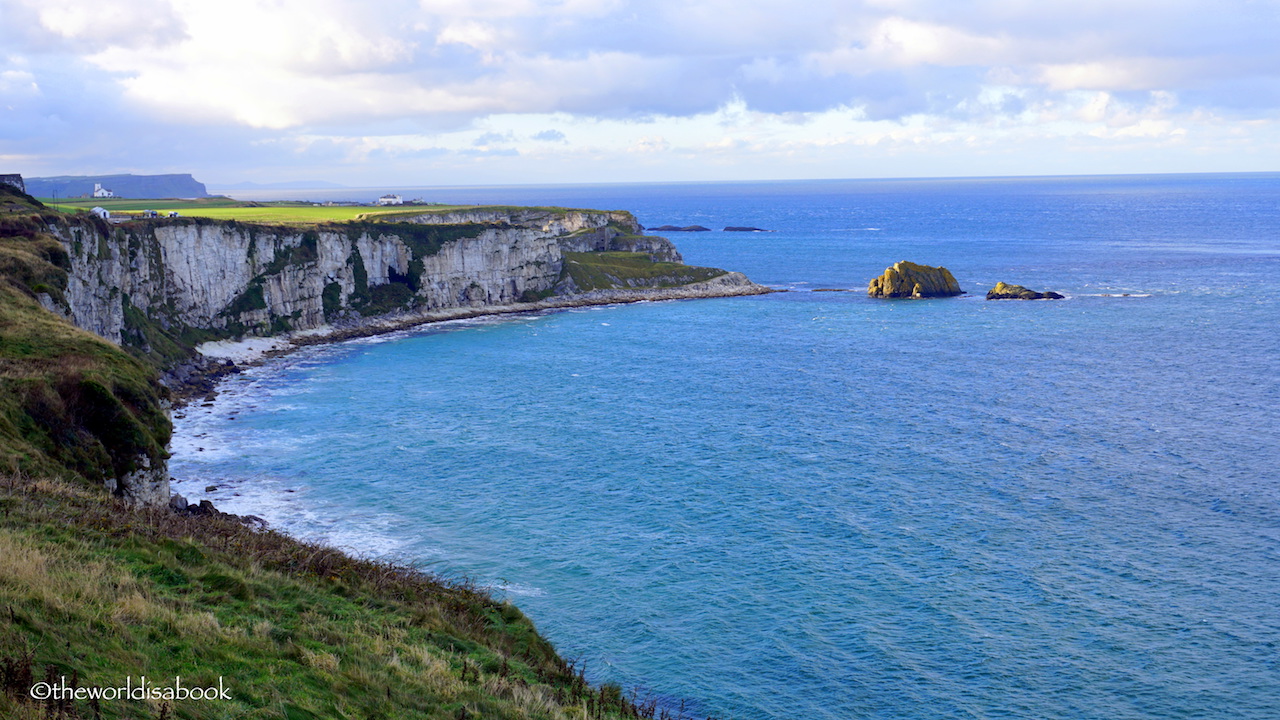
[[204, 508], [735, 228], [687, 228], [180, 505], [210, 488], [253, 521], [1016, 292], [909, 280]]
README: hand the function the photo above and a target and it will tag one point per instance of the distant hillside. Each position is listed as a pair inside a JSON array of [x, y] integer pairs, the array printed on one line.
[[125, 186]]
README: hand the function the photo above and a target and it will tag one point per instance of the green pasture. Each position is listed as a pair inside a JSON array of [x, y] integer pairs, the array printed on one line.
[[222, 208]]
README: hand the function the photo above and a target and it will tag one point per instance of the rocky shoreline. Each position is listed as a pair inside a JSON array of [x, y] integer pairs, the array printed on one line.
[[198, 378]]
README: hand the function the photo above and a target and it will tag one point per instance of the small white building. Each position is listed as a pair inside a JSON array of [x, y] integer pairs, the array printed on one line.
[[101, 212], [390, 200], [101, 192]]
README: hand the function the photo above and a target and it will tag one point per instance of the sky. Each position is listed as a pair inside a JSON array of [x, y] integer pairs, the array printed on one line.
[[460, 92]]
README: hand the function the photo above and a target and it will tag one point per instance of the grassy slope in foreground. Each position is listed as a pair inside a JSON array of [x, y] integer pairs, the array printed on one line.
[[98, 592]]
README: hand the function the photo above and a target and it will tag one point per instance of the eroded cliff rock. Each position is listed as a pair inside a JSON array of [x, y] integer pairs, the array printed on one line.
[[138, 282], [1003, 291], [910, 280]]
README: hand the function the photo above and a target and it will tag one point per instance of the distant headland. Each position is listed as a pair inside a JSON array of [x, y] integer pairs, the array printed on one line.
[[141, 187]]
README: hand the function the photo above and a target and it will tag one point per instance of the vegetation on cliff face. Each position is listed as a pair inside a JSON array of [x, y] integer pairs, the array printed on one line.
[[584, 272], [70, 402]]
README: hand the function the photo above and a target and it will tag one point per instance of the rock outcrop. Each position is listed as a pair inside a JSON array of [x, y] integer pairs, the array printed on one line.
[[909, 280], [1004, 291], [147, 486]]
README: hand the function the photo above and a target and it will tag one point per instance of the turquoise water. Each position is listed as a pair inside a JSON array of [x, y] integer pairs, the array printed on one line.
[[817, 505]]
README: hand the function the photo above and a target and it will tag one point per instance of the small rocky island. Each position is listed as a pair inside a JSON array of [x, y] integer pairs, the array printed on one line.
[[1003, 291], [909, 280]]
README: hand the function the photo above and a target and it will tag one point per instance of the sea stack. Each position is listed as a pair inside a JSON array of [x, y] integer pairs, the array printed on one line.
[[1003, 291], [909, 280]]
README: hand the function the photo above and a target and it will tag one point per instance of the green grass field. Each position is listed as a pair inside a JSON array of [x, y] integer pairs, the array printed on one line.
[[221, 208]]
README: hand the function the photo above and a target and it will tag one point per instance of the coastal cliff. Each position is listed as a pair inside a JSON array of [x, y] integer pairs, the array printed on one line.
[[158, 288], [144, 282]]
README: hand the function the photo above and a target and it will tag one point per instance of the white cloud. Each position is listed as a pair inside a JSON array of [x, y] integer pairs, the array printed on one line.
[[106, 23], [1114, 74], [649, 145], [17, 83], [759, 81], [900, 42]]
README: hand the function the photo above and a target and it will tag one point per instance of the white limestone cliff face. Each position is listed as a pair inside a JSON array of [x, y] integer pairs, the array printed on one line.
[[226, 275]]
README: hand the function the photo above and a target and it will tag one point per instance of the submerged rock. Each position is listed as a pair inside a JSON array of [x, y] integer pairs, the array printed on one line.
[[1003, 291], [738, 228], [909, 280]]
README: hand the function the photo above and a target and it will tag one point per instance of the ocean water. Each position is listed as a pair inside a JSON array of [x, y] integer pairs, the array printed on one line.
[[819, 505]]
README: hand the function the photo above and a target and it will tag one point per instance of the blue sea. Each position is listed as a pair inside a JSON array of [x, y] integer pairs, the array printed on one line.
[[819, 505]]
